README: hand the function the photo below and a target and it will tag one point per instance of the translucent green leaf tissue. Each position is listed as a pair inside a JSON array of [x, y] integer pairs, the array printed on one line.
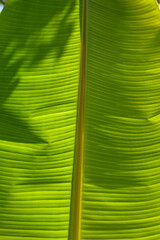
[[80, 120]]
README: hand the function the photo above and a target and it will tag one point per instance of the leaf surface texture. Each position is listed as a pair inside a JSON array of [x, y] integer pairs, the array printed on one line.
[[39, 67], [122, 122]]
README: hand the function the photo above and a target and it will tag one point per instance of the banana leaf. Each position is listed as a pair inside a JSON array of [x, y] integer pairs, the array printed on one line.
[[79, 120]]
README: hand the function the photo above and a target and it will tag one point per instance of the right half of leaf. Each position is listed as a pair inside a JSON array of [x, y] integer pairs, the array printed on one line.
[[122, 122]]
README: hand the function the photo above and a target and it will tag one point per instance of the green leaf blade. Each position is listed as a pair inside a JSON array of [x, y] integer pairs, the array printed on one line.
[[39, 62], [121, 129]]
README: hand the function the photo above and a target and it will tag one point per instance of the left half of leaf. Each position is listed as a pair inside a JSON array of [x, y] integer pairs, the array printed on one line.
[[39, 68]]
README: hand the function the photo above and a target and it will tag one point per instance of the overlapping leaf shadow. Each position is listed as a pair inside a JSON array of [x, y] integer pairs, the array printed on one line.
[[13, 39]]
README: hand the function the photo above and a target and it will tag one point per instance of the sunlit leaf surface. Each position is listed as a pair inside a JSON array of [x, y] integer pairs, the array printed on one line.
[[39, 76], [39, 66], [122, 121]]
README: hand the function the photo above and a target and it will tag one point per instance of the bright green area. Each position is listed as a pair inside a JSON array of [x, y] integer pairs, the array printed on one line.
[[39, 68], [121, 197]]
